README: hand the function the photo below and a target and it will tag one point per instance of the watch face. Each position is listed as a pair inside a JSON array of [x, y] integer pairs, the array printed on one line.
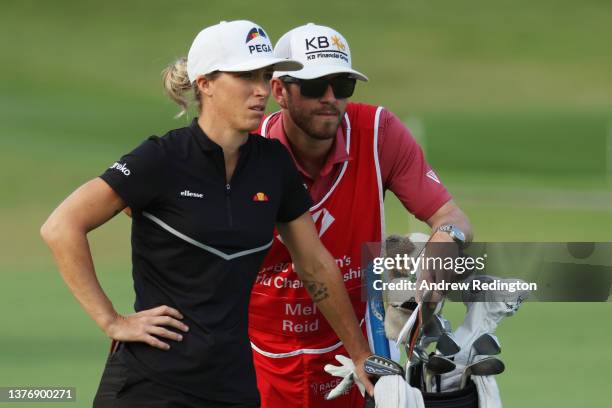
[[458, 235]]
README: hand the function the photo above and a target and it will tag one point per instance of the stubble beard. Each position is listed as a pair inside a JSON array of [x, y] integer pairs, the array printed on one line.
[[306, 121]]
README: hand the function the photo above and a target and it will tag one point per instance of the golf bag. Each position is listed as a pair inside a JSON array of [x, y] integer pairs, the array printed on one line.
[[466, 379]]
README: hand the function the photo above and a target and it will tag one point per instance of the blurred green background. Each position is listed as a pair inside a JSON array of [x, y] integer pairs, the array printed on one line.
[[511, 99]]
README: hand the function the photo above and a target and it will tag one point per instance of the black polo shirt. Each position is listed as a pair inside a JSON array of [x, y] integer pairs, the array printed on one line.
[[197, 244]]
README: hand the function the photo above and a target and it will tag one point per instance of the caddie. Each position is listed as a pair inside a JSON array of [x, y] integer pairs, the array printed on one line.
[[348, 155]]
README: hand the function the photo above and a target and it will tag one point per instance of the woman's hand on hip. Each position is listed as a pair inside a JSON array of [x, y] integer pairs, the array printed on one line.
[[147, 326]]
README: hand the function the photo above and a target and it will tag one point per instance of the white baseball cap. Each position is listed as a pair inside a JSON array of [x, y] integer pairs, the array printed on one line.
[[233, 46], [322, 50]]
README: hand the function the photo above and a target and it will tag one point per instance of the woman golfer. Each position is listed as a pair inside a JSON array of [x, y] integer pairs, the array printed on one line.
[[205, 200]]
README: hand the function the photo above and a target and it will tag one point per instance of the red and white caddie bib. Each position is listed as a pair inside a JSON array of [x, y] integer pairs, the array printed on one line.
[[283, 320]]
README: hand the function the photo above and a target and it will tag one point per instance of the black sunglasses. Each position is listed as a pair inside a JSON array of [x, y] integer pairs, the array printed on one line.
[[342, 86]]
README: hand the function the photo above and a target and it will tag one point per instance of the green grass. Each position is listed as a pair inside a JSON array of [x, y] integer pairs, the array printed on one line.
[[513, 96]]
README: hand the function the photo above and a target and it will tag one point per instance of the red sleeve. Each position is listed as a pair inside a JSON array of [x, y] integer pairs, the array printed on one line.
[[405, 171]]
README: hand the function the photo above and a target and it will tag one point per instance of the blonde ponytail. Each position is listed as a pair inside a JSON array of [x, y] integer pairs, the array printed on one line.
[[176, 84]]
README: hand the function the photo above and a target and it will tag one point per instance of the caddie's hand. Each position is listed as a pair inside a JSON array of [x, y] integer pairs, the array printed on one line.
[[362, 376], [146, 326], [438, 250]]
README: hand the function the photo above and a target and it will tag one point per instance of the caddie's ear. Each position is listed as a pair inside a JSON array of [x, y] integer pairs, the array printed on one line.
[[279, 92]]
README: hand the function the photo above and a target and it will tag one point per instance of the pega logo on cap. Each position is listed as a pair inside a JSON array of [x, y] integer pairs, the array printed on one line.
[[256, 33], [319, 47]]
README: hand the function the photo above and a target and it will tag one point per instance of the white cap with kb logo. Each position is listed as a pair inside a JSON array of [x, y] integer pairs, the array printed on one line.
[[233, 46], [322, 50]]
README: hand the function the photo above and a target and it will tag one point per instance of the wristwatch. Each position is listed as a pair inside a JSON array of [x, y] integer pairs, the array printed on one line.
[[455, 233]]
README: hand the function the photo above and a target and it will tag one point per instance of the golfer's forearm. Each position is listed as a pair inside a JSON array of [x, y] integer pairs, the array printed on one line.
[[325, 286], [73, 256]]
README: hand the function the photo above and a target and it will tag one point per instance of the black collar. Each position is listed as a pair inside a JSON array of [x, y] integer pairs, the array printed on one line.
[[206, 143]]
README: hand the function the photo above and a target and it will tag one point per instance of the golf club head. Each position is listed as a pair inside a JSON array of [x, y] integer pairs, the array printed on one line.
[[381, 366], [447, 345], [436, 365], [439, 365], [488, 366], [487, 344]]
